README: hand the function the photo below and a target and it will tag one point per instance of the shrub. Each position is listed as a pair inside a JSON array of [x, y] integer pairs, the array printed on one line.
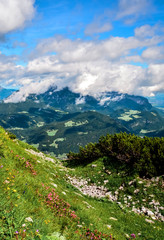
[[142, 155]]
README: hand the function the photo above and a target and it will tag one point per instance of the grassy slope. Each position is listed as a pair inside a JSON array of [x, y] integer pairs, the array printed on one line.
[[26, 179]]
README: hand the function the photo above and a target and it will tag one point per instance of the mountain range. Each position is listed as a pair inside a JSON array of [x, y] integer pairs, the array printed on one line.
[[4, 93], [59, 121]]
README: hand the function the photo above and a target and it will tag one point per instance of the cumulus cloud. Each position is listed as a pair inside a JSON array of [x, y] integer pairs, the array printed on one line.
[[113, 48], [90, 67], [154, 54], [14, 14], [37, 87], [9, 71], [148, 31], [145, 31]]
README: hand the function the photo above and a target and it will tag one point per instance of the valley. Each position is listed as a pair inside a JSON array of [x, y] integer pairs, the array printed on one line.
[[60, 121]]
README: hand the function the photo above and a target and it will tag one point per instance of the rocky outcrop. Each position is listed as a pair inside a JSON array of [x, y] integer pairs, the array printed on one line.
[[93, 190]]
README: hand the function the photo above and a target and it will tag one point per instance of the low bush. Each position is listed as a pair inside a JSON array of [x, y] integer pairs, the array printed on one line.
[[141, 155]]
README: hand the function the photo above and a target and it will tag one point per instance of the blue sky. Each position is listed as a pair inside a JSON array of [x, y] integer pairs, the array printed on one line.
[[89, 46]]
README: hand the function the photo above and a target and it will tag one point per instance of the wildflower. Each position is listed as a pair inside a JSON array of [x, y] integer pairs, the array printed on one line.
[[8, 188], [1, 166], [6, 181], [16, 205], [23, 225], [133, 235], [108, 226], [18, 197], [28, 219], [37, 230], [17, 232], [24, 233], [14, 190]]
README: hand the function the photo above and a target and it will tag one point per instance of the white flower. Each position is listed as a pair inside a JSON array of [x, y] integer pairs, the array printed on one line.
[[109, 226], [28, 219]]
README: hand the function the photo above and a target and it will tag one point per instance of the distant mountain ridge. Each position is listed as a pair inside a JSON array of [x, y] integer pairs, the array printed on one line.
[[5, 93], [65, 98]]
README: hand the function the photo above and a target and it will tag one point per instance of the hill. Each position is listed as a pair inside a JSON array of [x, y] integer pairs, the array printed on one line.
[[56, 118], [42, 199], [70, 132]]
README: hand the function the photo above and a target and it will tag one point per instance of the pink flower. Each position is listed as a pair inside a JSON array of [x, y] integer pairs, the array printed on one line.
[[133, 235]]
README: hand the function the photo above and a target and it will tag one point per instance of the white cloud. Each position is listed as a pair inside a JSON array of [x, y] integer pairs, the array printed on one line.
[[14, 14], [37, 87], [145, 31], [9, 71], [154, 54], [148, 31], [80, 100], [96, 27], [90, 67], [77, 51], [130, 10], [153, 80]]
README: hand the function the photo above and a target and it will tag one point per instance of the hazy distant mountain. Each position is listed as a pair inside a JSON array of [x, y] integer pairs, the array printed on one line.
[[157, 100], [4, 93]]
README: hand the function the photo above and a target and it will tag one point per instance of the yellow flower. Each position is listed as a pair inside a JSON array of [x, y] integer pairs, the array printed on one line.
[[8, 178], [10, 173], [16, 205], [14, 190], [18, 197], [8, 188]]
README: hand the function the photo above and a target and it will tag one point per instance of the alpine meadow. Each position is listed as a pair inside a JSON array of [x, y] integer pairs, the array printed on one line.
[[81, 120]]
